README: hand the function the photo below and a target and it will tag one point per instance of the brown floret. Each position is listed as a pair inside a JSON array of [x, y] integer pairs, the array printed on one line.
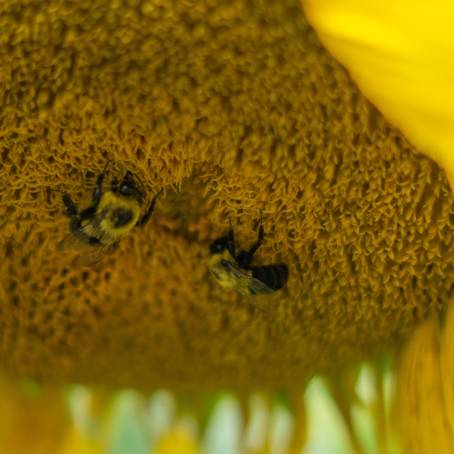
[[233, 107]]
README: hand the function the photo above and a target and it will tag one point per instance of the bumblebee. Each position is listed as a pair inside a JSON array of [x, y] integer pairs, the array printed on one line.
[[111, 215], [235, 271]]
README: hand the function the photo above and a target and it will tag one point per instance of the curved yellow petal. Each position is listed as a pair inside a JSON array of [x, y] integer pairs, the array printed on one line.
[[401, 54], [425, 407]]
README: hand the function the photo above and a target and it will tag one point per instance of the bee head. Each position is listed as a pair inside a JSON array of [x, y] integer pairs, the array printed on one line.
[[128, 187], [218, 246], [221, 244]]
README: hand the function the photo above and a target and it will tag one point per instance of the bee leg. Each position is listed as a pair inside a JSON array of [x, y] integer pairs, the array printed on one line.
[[259, 241], [88, 212], [114, 185], [231, 243], [75, 226], [223, 243], [96, 195], [149, 212], [71, 207], [244, 258]]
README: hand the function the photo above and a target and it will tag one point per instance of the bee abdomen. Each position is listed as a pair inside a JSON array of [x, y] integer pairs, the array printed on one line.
[[274, 276]]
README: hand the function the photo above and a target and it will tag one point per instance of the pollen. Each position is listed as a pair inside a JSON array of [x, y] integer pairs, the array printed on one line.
[[235, 109]]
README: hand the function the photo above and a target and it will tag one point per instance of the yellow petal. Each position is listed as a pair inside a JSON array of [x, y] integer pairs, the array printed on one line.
[[177, 441], [425, 400], [401, 54]]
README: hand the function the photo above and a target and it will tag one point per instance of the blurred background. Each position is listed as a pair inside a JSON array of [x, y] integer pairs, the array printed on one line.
[[78, 419]]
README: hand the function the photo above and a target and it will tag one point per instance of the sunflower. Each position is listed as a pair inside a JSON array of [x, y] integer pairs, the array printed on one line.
[[239, 110]]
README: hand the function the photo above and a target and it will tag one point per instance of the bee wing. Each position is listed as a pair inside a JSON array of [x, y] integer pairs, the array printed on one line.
[[87, 254], [78, 236], [91, 255], [70, 242], [247, 285], [257, 287]]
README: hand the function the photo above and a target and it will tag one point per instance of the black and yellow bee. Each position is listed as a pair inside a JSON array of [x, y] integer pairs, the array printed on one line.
[[111, 215], [235, 271]]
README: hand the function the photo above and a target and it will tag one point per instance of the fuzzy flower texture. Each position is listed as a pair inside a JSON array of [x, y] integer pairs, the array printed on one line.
[[234, 108]]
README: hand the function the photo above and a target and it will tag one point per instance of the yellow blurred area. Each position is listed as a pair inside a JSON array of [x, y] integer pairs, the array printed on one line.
[[401, 54], [31, 423], [425, 388], [39, 420], [177, 441], [77, 443]]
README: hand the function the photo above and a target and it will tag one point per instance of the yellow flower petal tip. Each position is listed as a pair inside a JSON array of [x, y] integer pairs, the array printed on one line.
[[177, 441], [401, 55]]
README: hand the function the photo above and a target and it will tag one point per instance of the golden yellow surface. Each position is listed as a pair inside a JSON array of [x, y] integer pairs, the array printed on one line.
[[233, 107]]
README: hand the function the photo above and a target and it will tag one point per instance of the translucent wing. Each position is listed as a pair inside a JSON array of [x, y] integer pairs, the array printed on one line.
[[247, 285], [87, 254], [257, 287], [70, 242], [80, 235], [94, 254]]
